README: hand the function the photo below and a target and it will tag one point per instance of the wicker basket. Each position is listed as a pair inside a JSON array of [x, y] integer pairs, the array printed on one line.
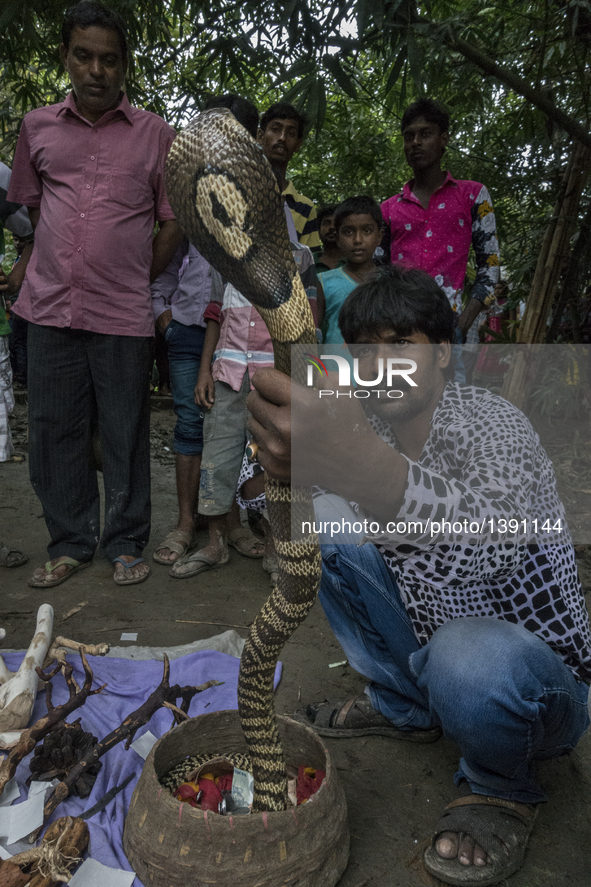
[[170, 844]]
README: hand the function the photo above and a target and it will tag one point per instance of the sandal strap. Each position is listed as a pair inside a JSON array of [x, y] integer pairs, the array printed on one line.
[[64, 561], [525, 812], [495, 824], [341, 717], [128, 564]]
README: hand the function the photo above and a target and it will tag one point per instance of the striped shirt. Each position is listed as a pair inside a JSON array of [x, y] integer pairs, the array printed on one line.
[[304, 216], [245, 343]]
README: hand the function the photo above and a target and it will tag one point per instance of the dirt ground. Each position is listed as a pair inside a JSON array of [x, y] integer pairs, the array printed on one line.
[[395, 791]]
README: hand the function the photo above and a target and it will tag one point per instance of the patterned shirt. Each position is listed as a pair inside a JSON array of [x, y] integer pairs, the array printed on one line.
[[437, 239], [16, 218], [304, 216], [484, 462], [245, 343]]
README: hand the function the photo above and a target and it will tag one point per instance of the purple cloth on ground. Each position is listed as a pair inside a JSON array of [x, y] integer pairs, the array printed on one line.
[[129, 683]]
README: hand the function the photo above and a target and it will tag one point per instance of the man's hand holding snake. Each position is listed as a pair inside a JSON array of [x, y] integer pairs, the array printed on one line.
[[330, 441]]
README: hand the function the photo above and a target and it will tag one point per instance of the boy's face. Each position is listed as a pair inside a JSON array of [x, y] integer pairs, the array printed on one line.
[[327, 230], [424, 144], [19, 244], [358, 237], [280, 140]]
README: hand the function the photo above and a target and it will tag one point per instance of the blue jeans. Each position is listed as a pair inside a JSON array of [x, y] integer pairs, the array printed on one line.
[[185, 344], [498, 691]]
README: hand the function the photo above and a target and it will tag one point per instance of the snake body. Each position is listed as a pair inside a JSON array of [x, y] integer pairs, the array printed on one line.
[[225, 196]]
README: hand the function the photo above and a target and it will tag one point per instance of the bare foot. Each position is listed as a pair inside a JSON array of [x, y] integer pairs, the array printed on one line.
[[450, 845]]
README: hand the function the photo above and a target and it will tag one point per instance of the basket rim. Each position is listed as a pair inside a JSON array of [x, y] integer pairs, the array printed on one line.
[[174, 805]]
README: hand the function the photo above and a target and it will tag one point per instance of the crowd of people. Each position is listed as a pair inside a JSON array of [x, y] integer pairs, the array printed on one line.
[[485, 641]]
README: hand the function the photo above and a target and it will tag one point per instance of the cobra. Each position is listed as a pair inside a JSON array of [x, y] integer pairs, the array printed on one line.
[[224, 194]]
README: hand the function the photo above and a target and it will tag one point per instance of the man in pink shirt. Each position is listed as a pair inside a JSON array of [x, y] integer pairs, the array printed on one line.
[[91, 171], [435, 219]]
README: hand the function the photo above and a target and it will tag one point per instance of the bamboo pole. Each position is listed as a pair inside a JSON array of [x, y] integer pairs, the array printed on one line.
[[553, 255]]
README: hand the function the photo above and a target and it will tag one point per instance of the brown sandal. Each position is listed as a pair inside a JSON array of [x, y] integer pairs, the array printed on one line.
[[244, 541], [502, 828], [358, 717], [177, 541]]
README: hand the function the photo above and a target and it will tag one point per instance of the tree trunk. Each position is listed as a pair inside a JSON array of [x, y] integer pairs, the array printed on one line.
[[553, 254], [570, 297]]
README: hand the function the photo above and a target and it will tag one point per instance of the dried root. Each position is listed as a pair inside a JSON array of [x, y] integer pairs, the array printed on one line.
[[60, 851]]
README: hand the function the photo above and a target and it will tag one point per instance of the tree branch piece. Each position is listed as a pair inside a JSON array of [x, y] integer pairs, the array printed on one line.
[[516, 83], [164, 693], [30, 737]]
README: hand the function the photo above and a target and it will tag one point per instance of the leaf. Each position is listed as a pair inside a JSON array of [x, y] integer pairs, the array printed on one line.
[[302, 86], [333, 65], [298, 69], [320, 98], [396, 69]]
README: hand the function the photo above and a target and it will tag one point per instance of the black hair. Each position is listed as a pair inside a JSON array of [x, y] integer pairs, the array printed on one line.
[[283, 111], [432, 111], [356, 206], [324, 211], [402, 299], [243, 110], [89, 13]]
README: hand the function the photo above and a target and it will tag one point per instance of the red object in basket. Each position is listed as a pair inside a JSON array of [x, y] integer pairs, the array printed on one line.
[[211, 797], [309, 781]]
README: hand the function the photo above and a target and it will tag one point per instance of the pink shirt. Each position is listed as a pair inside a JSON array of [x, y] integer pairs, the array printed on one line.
[[244, 342], [100, 188], [438, 239]]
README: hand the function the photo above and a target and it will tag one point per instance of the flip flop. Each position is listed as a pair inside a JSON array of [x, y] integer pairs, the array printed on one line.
[[249, 541], [358, 717], [11, 557], [502, 828], [196, 563], [74, 565], [178, 541], [127, 566]]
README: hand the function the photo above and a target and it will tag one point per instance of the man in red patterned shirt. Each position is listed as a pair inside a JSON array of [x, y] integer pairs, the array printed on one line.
[[435, 219]]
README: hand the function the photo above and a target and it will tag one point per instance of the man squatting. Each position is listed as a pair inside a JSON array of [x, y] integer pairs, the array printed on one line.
[[484, 640]]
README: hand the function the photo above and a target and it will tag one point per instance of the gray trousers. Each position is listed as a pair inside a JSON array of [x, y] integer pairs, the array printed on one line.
[[76, 378], [224, 437]]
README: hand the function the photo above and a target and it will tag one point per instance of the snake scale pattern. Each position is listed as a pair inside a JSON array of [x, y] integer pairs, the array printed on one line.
[[225, 195]]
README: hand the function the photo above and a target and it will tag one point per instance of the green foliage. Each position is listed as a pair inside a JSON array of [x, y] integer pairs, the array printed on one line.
[[352, 66], [560, 393]]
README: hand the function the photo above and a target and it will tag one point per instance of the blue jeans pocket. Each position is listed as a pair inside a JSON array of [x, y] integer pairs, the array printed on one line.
[[169, 330]]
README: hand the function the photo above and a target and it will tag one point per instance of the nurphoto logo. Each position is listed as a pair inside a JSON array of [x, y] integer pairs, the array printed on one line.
[[387, 370]]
